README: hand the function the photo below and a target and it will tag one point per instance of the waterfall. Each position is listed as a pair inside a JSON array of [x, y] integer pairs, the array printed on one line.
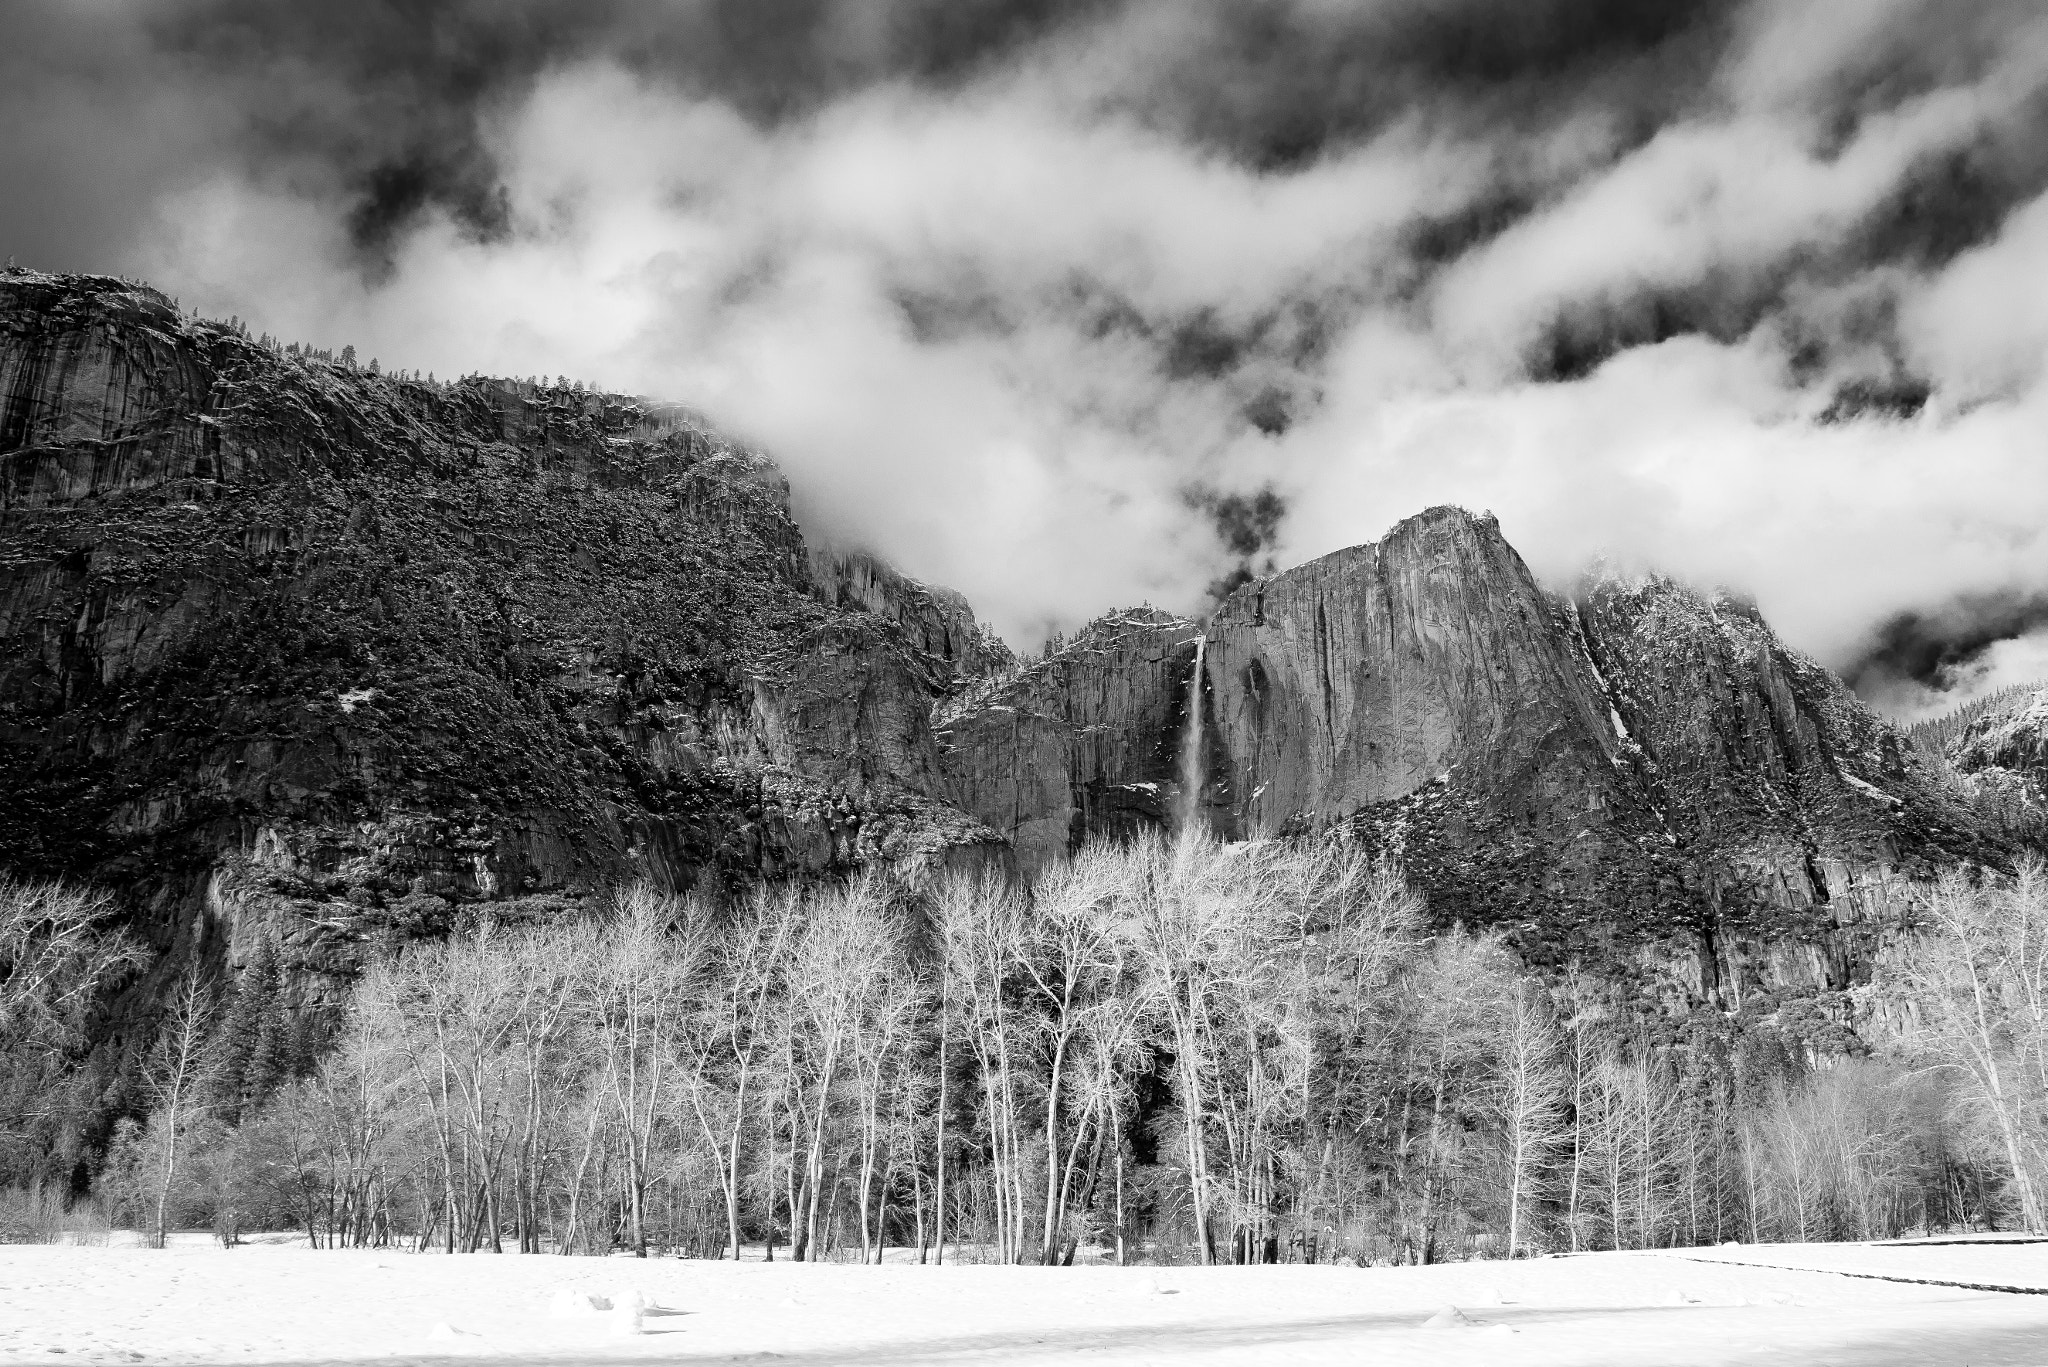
[[1189, 808]]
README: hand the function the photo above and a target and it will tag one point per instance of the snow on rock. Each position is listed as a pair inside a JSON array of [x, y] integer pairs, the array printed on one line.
[[571, 1303], [1869, 789], [628, 1310], [1448, 1317]]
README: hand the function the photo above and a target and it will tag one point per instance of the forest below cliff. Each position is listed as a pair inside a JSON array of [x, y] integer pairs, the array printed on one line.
[[472, 814], [1159, 1051]]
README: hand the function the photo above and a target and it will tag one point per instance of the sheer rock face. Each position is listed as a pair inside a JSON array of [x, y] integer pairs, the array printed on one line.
[[291, 648], [1082, 743], [1428, 657]]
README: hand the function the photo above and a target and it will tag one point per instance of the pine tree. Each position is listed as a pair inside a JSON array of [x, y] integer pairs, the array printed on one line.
[[248, 1039], [270, 1059]]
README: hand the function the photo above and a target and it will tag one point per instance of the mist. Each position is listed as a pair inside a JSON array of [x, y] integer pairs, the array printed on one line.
[[1074, 306]]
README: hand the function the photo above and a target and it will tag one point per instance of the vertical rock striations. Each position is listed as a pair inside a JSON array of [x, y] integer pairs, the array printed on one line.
[[1082, 743], [1428, 657], [1425, 690]]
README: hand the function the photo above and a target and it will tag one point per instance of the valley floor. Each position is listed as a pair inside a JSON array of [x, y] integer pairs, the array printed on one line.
[[1775, 1304]]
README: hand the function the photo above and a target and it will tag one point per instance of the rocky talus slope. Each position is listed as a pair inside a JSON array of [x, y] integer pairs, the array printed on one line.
[[291, 647]]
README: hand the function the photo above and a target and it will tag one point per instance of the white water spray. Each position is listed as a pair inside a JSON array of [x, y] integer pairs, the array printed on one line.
[[1191, 776]]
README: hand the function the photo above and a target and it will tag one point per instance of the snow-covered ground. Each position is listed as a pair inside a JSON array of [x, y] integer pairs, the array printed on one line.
[[292, 1305]]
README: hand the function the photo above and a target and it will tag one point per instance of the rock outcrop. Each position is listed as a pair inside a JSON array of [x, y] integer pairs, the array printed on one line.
[[1640, 774], [2009, 737], [1080, 744], [1998, 749], [1425, 691], [1804, 819], [293, 649]]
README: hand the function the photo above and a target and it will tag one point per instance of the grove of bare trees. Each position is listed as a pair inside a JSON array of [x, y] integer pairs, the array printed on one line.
[[1164, 1050]]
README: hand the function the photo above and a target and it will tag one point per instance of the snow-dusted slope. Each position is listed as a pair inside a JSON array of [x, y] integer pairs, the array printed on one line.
[[2012, 737]]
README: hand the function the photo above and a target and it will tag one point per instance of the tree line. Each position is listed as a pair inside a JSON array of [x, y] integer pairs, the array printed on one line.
[[1165, 1050]]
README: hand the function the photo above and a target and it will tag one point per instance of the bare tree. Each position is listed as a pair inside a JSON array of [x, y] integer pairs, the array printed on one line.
[[1529, 1095], [843, 956], [644, 968], [1201, 909], [981, 924], [1978, 979], [58, 948], [176, 1076], [744, 975], [1078, 968]]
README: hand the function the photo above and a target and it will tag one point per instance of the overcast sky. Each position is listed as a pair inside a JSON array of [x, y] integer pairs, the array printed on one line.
[[1024, 295]]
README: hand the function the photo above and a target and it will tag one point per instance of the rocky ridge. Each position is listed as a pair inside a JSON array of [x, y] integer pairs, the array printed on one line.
[[2011, 737], [298, 652], [1636, 775], [295, 649]]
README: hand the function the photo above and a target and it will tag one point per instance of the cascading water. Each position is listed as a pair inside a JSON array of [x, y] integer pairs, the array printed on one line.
[[1189, 807]]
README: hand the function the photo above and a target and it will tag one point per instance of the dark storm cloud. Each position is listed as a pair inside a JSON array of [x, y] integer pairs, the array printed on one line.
[[1955, 200], [1933, 646], [386, 103], [1248, 526], [1714, 282], [1273, 80]]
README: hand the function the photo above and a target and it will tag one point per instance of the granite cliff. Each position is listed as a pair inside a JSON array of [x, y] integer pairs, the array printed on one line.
[[1081, 743], [294, 648], [1635, 775], [294, 651]]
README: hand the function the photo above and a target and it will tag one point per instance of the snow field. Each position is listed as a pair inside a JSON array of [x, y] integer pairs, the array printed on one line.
[[268, 1304]]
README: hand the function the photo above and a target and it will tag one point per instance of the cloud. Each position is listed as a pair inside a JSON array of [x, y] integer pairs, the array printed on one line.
[[2011, 662], [1736, 288], [1981, 327]]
